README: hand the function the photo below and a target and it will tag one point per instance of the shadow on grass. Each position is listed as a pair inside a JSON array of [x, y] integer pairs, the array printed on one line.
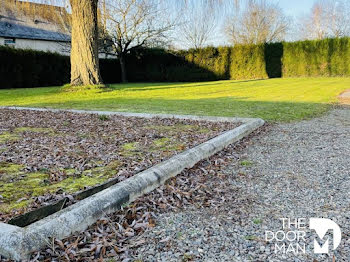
[[225, 106], [166, 86]]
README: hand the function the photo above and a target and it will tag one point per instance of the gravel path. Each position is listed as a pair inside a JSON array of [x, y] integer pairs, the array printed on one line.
[[344, 97], [295, 170]]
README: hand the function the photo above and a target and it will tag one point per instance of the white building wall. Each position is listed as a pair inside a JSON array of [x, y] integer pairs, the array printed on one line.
[[40, 45], [62, 48]]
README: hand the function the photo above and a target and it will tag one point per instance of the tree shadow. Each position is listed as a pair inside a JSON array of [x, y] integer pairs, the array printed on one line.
[[273, 54], [174, 85], [272, 111]]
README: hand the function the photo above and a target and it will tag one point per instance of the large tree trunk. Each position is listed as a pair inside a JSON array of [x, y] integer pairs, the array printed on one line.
[[123, 68], [84, 54]]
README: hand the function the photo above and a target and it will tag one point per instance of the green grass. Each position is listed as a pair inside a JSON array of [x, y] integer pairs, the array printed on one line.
[[286, 99], [246, 163]]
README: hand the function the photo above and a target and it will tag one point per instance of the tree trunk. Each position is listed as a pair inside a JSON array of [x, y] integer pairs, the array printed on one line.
[[84, 54], [123, 68]]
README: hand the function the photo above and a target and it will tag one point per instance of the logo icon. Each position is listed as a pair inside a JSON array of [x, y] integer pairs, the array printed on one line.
[[321, 227], [294, 235]]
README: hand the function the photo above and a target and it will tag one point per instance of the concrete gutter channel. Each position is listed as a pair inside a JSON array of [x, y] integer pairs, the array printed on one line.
[[17, 243]]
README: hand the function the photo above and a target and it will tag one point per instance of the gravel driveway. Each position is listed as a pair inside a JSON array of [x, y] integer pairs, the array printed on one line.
[[295, 170]]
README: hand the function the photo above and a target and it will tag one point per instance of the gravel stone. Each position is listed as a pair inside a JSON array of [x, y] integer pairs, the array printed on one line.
[[296, 170]]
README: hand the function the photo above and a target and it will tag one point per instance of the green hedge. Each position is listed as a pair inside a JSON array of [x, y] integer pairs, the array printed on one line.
[[21, 68], [329, 57], [26, 68], [154, 65], [215, 60], [248, 62]]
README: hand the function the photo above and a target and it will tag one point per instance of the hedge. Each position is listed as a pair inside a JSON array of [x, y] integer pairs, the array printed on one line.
[[329, 57], [248, 62], [158, 65], [26, 68]]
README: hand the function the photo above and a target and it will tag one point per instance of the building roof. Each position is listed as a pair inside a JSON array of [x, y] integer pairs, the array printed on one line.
[[30, 22]]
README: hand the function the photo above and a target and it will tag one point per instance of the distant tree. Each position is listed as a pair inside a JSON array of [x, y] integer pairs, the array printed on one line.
[[259, 21], [131, 24], [200, 21], [327, 18]]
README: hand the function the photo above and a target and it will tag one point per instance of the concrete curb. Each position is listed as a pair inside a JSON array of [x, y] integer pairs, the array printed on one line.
[[141, 115], [17, 243]]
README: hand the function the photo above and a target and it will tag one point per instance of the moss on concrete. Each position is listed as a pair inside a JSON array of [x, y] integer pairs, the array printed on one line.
[[130, 149], [10, 172], [16, 133], [16, 185], [17, 194], [130, 146], [166, 144], [179, 128], [163, 144], [7, 136]]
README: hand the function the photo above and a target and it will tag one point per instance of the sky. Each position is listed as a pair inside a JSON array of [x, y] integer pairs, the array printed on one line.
[[291, 7], [295, 7]]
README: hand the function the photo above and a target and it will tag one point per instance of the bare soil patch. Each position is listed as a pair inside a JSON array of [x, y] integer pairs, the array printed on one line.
[[46, 156]]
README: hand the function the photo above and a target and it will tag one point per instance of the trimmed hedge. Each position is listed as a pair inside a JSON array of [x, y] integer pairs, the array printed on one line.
[[158, 65], [248, 62], [27, 68], [329, 57], [215, 60]]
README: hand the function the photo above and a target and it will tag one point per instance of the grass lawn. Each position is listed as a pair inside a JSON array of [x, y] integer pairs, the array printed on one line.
[[287, 99]]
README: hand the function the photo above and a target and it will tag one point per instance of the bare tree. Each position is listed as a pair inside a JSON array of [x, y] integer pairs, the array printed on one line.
[[132, 24], [259, 21], [327, 18], [200, 21]]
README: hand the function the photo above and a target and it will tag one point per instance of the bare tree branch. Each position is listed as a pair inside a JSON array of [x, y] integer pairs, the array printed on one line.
[[258, 22], [132, 24], [327, 18]]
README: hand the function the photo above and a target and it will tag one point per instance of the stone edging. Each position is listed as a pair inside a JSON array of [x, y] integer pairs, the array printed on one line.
[[17, 243]]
